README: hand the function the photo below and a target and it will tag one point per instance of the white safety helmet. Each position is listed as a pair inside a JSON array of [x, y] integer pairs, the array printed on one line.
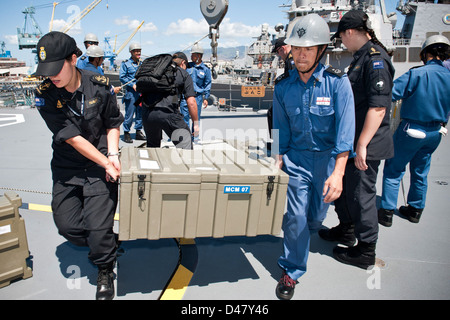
[[196, 48], [310, 30], [135, 46], [438, 42], [436, 39], [90, 37], [94, 52]]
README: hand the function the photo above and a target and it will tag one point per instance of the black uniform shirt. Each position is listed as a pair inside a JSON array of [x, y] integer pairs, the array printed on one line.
[[88, 112], [371, 75], [185, 87], [289, 63]]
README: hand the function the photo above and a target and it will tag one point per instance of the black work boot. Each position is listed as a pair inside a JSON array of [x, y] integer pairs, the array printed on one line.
[[140, 135], [105, 282], [385, 217], [285, 287], [343, 233], [362, 255], [127, 137], [411, 213]]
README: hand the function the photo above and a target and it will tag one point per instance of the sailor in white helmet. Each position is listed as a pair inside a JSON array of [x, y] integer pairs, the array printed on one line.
[[201, 76], [95, 59], [313, 111], [424, 113], [126, 75], [90, 39]]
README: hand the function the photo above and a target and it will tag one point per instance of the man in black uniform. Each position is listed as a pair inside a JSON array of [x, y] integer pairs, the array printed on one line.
[[283, 50], [80, 109], [161, 112], [371, 75]]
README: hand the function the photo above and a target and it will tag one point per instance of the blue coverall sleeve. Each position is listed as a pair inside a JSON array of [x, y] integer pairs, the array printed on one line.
[[281, 121], [125, 76], [400, 88], [345, 118], [208, 83]]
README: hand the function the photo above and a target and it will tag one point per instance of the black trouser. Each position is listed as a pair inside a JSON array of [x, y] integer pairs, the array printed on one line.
[[84, 215], [357, 203], [171, 122]]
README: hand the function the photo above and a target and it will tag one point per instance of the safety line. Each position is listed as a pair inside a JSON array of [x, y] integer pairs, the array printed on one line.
[[46, 208], [180, 279]]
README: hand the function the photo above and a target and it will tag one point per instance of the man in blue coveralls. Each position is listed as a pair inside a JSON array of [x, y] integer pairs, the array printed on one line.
[[95, 59], [426, 104], [313, 111], [126, 75], [201, 76], [90, 39]]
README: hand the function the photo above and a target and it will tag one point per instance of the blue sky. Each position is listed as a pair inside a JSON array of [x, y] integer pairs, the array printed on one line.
[[170, 25]]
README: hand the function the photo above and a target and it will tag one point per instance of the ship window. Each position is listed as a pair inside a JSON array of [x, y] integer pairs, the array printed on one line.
[[429, 34], [400, 55], [414, 54]]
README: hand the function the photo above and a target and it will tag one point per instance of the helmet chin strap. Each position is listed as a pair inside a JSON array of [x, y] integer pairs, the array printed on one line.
[[317, 60]]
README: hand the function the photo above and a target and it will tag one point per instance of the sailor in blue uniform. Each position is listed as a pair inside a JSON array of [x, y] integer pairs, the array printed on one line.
[[426, 104], [95, 59], [201, 76], [314, 115], [90, 39], [126, 75]]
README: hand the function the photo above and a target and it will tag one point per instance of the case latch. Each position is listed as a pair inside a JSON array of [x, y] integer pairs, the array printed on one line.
[[141, 186], [270, 186]]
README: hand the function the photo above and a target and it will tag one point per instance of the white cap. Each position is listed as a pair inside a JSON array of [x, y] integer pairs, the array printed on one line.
[[90, 37], [309, 31], [94, 52], [134, 46]]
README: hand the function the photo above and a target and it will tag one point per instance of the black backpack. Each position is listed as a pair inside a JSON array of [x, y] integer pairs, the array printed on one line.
[[157, 75]]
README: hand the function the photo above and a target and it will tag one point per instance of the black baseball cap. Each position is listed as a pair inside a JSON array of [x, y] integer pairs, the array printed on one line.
[[278, 44], [351, 20], [53, 49], [182, 56]]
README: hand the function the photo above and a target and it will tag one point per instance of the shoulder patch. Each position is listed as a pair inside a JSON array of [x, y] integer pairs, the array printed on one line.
[[99, 79], [378, 64], [282, 77], [335, 71], [39, 102], [83, 57]]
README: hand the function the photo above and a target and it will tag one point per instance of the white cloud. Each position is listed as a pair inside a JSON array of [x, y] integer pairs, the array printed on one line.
[[188, 26], [227, 28], [12, 39], [148, 27], [133, 24], [238, 29]]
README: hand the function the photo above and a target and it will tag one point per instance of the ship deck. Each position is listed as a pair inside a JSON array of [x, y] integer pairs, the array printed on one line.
[[416, 256]]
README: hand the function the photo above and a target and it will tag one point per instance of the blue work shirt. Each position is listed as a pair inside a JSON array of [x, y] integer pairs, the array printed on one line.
[[83, 61], [93, 68], [201, 76], [316, 116], [127, 71], [425, 92]]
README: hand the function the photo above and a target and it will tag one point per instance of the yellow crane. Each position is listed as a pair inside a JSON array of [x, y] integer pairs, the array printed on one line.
[[82, 14], [53, 15], [129, 39]]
